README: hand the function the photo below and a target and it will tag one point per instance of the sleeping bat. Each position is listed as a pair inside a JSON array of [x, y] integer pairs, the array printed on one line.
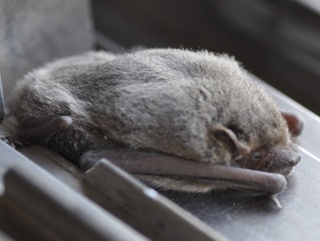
[[182, 120]]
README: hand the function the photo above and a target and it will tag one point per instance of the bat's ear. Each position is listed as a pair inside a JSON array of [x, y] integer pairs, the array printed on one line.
[[240, 147], [294, 121]]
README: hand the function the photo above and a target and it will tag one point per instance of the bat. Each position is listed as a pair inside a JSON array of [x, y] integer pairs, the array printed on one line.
[[182, 120]]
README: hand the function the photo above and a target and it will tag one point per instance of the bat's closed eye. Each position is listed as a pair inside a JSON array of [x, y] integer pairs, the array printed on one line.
[[257, 156], [257, 160]]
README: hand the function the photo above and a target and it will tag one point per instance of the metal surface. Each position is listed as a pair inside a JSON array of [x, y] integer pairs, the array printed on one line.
[[63, 213], [162, 220]]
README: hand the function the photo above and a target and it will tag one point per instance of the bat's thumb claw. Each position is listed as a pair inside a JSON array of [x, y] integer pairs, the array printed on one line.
[[275, 200]]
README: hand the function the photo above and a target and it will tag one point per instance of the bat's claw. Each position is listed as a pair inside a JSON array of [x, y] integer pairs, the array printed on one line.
[[13, 142]]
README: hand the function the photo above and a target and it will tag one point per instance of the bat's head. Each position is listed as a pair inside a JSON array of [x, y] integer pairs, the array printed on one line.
[[280, 157]]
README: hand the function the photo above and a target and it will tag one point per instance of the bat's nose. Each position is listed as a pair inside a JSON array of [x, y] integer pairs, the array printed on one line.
[[294, 160]]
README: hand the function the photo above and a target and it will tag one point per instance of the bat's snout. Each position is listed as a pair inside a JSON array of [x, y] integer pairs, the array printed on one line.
[[284, 161], [278, 160]]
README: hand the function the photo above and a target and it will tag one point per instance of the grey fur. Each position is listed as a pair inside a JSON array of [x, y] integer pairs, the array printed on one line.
[[163, 99]]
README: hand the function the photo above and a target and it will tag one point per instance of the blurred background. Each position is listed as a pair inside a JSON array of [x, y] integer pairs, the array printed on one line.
[[277, 40]]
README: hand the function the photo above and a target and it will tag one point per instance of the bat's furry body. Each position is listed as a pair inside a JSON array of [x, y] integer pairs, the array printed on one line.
[[160, 99]]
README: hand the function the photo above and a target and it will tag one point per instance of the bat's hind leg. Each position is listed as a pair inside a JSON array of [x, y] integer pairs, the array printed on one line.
[[11, 141]]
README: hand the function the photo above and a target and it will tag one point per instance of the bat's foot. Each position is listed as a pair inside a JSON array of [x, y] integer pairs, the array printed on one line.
[[8, 140], [14, 142]]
